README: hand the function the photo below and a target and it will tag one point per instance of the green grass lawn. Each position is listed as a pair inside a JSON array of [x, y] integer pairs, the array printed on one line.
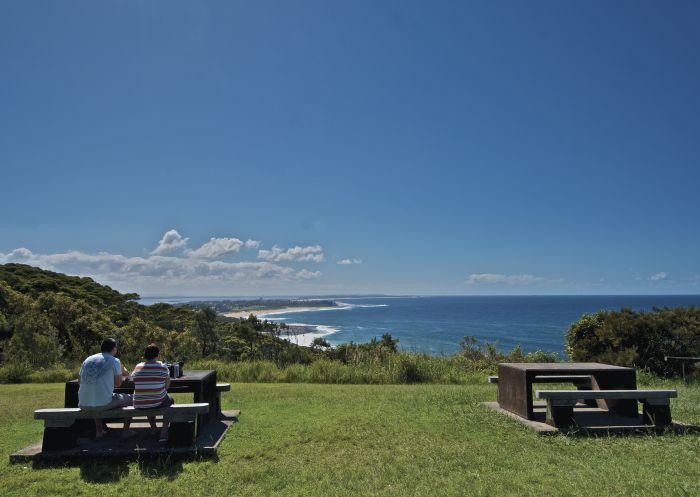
[[324, 440]]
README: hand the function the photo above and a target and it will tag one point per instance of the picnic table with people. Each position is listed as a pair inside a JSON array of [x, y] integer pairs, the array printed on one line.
[[107, 391]]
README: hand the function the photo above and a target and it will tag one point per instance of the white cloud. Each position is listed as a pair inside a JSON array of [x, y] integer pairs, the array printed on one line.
[[216, 247], [172, 240], [505, 279], [174, 267], [252, 244], [347, 262], [300, 254], [162, 272], [305, 274], [658, 276]]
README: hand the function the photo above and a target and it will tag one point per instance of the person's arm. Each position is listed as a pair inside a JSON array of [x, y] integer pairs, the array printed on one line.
[[118, 368], [167, 378]]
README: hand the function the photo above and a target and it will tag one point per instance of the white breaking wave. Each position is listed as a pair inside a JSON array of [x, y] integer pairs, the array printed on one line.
[[340, 307], [306, 339], [352, 306]]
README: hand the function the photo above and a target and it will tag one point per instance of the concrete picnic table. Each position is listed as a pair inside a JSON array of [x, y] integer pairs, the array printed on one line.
[[515, 381], [200, 382]]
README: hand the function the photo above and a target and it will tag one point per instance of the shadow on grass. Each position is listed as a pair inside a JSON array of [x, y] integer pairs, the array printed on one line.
[[160, 467], [168, 467], [91, 472], [676, 429], [97, 472]]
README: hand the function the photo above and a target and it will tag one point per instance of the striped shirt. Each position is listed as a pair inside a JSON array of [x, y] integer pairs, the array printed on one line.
[[149, 384]]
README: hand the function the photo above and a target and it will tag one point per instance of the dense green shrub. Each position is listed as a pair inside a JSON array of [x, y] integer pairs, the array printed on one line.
[[15, 372], [488, 356], [402, 367], [641, 339]]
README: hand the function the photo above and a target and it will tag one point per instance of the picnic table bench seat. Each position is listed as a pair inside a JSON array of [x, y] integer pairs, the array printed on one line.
[[220, 387], [656, 407], [59, 432]]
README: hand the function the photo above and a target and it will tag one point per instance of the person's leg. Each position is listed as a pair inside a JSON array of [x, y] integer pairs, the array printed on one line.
[[166, 421], [152, 422], [99, 429], [97, 418], [123, 400]]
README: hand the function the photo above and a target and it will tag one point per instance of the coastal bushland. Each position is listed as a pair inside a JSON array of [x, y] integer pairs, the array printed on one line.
[[49, 322], [641, 339]]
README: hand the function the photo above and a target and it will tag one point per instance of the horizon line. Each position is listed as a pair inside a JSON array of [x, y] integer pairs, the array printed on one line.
[[417, 295]]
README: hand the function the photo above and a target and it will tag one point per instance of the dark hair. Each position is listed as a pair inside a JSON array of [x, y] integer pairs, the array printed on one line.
[[108, 345], [151, 352]]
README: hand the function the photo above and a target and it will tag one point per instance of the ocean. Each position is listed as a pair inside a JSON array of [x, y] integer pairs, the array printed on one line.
[[435, 325]]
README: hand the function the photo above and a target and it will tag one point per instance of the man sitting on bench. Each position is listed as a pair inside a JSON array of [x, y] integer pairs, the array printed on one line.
[[99, 375], [151, 381]]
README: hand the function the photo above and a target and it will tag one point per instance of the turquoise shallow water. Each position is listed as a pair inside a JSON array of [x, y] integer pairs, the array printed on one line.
[[436, 324]]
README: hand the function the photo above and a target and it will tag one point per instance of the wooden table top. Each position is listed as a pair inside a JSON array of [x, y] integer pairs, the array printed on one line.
[[190, 375], [564, 366]]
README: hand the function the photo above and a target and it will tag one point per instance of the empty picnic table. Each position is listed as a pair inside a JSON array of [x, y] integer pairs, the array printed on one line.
[[515, 384]]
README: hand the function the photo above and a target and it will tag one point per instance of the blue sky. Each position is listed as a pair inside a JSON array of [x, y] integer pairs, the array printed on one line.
[[432, 147]]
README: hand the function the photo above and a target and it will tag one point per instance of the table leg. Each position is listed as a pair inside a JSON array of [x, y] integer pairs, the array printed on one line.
[[81, 427], [515, 391], [200, 397], [658, 414], [211, 396], [70, 397], [617, 380]]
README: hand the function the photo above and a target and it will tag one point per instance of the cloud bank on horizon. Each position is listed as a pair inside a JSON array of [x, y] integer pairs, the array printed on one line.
[[173, 265], [230, 265], [507, 279]]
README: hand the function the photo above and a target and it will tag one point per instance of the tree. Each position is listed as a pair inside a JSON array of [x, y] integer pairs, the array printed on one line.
[[34, 341], [389, 343], [320, 343], [205, 330], [641, 339]]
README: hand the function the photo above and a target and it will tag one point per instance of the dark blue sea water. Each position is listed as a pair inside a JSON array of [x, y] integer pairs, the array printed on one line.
[[436, 324]]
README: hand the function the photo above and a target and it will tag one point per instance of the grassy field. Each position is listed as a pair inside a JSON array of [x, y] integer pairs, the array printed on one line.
[[323, 440]]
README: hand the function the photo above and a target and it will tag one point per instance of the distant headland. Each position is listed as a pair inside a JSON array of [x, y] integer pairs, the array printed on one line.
[[258, 307]]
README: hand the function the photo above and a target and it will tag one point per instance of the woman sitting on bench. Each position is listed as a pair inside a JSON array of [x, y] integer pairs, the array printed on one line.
[[151, 381]]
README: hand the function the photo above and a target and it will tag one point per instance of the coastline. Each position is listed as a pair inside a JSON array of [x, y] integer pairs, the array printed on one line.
[[304, 334], [271, 312]]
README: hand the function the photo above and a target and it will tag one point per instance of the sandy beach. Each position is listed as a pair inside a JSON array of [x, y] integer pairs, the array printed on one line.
[[298, 333], [271, 312]]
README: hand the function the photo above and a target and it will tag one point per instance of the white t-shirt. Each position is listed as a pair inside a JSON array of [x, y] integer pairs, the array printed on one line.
[[97, 379]]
